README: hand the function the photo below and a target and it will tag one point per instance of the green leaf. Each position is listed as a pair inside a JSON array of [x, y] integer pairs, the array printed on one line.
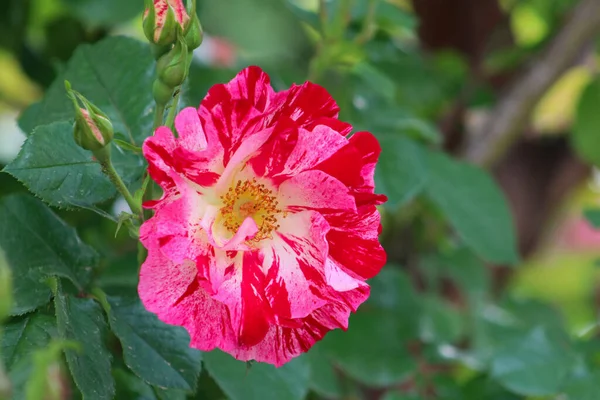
[[468, 272], [323, 378], [82, 321], [534, 365], [382, 359], [585, 138], [127, 146], [401, 171], [105, 12], [258, 381], [63, 174], [592, 215], [586, 388], [439, 322], [170, 394], [482, 387], [115, 74], [475, 207], [158, 353], [21, 337], [393, 290], [38, 244], [130, 387]]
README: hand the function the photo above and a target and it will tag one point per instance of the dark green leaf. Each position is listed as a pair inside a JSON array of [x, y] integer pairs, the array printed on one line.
[[586, 388], [23, 336], [258, 381], [393, 290], [533, 365], [439, 322], [482, 387], [130, 387], [383, 358], [475, 207], [116, 75], [82, 321], [61, 173], [20, 339], [158, 353], [585, 137], [468, 272], [38, 244], [170, 394], [323, 378], [401, 172]]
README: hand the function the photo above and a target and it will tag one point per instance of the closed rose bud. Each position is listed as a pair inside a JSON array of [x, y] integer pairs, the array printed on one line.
[[93, 130], [193, 38], [161, 92], [161, 20], [172, 67]]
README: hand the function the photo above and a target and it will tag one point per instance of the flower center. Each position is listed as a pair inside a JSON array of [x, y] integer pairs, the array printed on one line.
[[250, 199]]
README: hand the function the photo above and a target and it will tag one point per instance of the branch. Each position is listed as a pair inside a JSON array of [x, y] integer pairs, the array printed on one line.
[[511, 115]]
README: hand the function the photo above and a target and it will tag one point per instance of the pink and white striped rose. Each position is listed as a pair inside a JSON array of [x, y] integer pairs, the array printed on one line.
[[268, 226]]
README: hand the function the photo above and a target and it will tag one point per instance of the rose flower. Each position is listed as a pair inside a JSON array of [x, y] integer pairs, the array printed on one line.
[[268, 226]]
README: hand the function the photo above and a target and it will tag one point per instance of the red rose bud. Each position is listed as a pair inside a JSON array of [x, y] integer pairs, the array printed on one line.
[[93, 130], [162, 17]]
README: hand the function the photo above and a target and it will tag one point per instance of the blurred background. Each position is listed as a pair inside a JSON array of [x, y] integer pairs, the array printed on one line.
[[508, 85]]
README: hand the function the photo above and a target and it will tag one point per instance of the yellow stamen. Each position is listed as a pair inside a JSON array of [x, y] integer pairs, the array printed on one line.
[[250, 199]]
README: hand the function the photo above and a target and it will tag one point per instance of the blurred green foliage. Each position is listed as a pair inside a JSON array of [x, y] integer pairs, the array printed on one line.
[[438, 325]]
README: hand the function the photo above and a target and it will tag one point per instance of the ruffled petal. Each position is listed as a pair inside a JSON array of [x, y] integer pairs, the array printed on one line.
[[165, 155], [243, 294], [315, 190], [228, 124], [251, 84], [353, 241], [175, 228], [163, 282], [282, 343], [270, 158], [158, 149], [294, 263], [191, 133], [304, 104], [312, 148]]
